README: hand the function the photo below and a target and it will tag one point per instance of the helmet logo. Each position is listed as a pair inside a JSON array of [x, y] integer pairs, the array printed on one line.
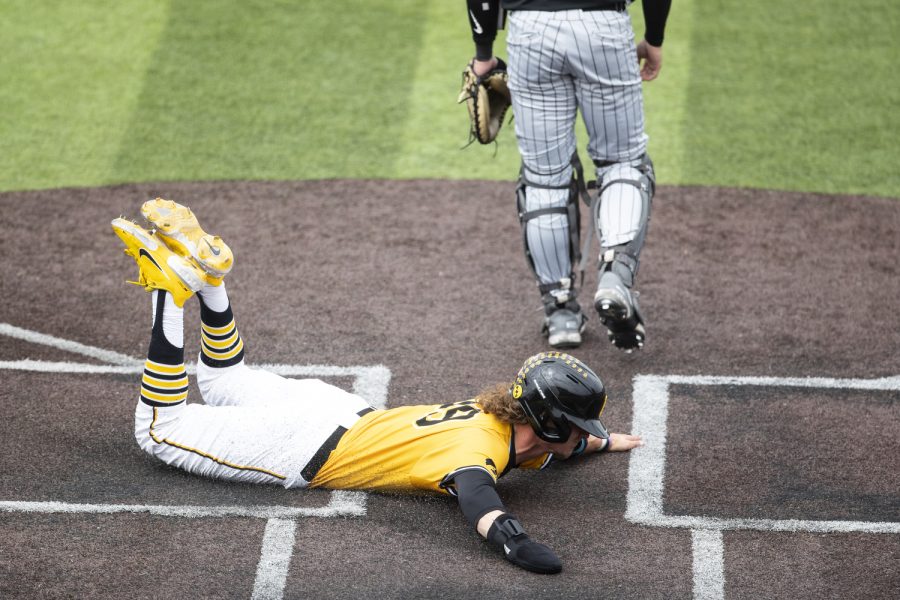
[[517, 391]]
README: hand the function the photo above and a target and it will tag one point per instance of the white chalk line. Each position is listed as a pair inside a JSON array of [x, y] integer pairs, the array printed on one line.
[[708, 564], [342, 503], [370, 383], [274, 560], [647, 464], [45, 366], [646, 474], [790, 525], [69, 346], [884, 383], [278, 539]]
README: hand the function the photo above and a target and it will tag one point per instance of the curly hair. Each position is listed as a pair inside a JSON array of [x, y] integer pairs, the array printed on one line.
[[498, 401]]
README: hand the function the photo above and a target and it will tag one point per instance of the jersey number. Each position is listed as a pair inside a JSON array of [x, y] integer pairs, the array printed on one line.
[[455, 411]]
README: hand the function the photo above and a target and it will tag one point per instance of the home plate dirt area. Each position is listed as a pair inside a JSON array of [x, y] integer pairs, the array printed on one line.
[[768, 394]]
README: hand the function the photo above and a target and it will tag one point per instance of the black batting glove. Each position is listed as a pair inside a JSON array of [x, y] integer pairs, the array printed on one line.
[[519, 549]]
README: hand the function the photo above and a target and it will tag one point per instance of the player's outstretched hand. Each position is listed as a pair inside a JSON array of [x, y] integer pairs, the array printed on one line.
[[650, 58], [618, 442], [622, 442]]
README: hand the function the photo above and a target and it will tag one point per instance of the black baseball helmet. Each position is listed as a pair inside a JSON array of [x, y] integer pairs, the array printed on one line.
[[558, 391]]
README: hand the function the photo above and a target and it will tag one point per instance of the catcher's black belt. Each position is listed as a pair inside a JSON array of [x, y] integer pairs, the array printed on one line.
[[321, 455]]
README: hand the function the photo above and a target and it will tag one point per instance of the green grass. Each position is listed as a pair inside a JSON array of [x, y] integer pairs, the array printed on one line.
[[770, 94], [801, 96], [70, 75], [274, 90]]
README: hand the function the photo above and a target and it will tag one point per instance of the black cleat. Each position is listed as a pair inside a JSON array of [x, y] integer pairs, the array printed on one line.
[[618, 309]]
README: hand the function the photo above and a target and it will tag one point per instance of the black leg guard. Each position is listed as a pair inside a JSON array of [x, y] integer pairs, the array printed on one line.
[[564, 321], [615, 303], [577, 188]]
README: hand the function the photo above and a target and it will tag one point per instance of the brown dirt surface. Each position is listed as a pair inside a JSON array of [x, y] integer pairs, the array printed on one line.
[[428, 279]]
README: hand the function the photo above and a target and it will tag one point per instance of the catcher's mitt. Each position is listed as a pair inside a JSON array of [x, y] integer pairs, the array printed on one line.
[[487, 98]]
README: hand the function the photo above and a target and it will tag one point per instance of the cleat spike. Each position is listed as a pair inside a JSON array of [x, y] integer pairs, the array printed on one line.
[[618, 310], [158, 267], [179, 229]]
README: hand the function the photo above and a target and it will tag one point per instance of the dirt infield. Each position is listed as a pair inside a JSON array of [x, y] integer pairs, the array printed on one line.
[[773, 337]]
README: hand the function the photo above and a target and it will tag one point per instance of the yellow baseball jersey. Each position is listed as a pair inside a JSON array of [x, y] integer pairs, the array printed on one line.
[[420, 447]]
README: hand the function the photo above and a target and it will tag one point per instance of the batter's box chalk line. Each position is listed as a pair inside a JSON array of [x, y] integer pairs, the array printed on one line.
[[370, 382], [646, 473]]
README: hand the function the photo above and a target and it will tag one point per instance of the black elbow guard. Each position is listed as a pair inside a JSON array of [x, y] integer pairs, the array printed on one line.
[[476, 494], [519, 549]]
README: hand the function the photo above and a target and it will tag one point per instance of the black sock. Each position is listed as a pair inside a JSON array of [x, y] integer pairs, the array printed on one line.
[[165, 381], [220, 344]]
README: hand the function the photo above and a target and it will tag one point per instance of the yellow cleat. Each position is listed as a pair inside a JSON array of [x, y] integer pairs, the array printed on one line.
[[181, 232], [160, 268]]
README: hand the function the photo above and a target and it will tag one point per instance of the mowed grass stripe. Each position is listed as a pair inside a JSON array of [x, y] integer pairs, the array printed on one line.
[[771, 95], [266, 90], [436, 133], [794, 95], [70, 74]]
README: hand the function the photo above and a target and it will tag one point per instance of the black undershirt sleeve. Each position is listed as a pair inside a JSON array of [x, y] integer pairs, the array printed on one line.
[[477, 494], [484, 19], [656, 12]]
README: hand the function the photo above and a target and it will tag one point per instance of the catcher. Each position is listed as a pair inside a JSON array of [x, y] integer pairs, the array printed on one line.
[[569, 58], [258, 427]]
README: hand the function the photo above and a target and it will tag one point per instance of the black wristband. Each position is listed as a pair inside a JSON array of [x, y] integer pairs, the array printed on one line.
[[606, 447], [484, 51], [579, 448], [504, 528]]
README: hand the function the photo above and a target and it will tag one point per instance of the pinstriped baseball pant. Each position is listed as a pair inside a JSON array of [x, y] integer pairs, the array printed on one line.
[[559, 63], [254, 426]]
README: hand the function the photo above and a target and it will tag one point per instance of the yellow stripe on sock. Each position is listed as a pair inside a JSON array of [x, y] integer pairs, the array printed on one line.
[[165, 383], [167, 398], [161, 368], [221, 461], [217, 330], [225, 343], [224, 355]]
